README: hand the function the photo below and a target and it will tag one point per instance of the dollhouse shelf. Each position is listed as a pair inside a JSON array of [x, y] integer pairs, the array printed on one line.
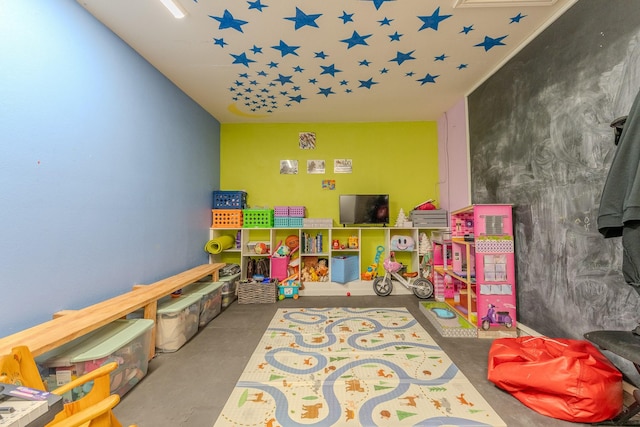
[[474, 269]]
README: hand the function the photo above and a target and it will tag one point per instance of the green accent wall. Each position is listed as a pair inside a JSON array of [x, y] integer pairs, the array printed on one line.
[[398, 158]]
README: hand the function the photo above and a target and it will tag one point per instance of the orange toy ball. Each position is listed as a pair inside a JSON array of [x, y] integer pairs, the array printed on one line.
[[292, 242]]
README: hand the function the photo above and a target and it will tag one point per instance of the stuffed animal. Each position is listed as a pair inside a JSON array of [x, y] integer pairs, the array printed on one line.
[[402, 243]]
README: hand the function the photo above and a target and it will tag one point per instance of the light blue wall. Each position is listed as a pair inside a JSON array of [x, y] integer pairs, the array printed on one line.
[[106, 167]]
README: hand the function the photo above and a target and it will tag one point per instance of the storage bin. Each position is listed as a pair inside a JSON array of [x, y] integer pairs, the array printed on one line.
[[281, 211], [124, 341], [280, 267], [344, 269], [297, 211], [177, 321], [295, 222], [229, 200], [226, 218], [257, 292], [229, 284], [432, 218], [257, 218], [211, 299], [281, 221]]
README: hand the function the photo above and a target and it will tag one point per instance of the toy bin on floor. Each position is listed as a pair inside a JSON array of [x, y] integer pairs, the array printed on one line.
[[177, 321], [280, 267], [124, 341], [344, 269], [211, 299], [229, 284]]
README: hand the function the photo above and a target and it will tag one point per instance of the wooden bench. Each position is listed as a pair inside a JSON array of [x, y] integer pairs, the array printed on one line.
[[71, 324]]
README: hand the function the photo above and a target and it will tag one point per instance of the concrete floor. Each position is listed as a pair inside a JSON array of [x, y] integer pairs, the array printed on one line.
[[191, 386]]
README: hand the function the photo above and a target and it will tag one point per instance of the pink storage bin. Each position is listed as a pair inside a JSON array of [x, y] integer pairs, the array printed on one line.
[[280, 267], [281, 210], [297, 211]]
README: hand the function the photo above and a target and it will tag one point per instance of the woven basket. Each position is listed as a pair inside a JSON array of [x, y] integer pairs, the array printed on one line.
[[257, 293]]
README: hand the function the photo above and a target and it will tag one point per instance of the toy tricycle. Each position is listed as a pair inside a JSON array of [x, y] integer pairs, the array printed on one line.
[[382, 286]]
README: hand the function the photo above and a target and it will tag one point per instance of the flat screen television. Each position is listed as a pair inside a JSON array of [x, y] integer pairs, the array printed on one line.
[[365, 209]]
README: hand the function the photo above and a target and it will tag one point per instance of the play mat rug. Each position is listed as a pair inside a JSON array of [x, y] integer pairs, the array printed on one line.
[[352, 367]]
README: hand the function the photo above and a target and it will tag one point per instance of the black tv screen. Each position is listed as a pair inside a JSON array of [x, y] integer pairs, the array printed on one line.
[[364, 209]]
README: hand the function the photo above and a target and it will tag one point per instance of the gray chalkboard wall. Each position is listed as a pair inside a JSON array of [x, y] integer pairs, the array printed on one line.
[[540, 140]]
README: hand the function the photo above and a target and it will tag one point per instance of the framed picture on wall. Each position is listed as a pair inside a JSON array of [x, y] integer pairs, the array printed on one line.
[[342, 166], [328, 184], [307, 140], [315, 166], [288, 167]]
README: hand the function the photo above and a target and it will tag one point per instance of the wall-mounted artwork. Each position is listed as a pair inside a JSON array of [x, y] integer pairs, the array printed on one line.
[[315, 166], [342, 166], [328, 184], [288, 167], [307, 140]]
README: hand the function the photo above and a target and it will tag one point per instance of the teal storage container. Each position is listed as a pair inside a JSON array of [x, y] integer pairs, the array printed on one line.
[[176, 321], [127, 342], [229, 286], [210, 302]]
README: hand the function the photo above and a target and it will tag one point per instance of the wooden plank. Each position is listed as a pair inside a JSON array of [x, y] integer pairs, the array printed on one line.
[[53, 333]]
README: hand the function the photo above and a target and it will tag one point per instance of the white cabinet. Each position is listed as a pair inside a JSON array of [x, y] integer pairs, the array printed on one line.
[[347, 252]]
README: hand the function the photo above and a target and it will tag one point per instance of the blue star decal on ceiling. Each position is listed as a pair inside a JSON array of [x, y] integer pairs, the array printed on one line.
[[427, 79], [320, 55], [346, 17], [378, 3], [330, 69], [355, 40], [228, 21], [385, 21], [326, 91], [395, 37], [516, 19], [285, 49], [490, 43], [384, 71], [440, 58], [255, 49], [467, 30], [401, 57], [298, 69], [256, 5], [219, 42], [367, 83], [462, 66], [273, 64], [432, 21], [297, 98], [302, 19], [364, 63], [241, 59], [283, 79]]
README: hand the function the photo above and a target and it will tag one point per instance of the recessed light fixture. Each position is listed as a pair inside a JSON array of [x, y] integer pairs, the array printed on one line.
[[174, 7]]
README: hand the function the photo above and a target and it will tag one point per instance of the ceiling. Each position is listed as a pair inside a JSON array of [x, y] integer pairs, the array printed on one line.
[[292, 61]]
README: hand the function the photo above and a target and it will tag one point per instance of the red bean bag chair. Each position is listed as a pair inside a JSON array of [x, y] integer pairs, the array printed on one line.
[[561, 378]]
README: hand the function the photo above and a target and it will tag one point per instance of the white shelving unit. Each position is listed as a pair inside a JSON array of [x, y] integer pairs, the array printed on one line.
[[370, 236]]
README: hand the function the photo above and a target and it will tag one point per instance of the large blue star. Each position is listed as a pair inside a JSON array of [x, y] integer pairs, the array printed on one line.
[[329, 69], [378, 3], [256, 5], [326, 91], [401, 57], [302, 19], [356, 39], [367, 83], [228, 21], [241, 59], [427, 79], [432, 21], [285, 49], [283, 79], [490, 43]]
